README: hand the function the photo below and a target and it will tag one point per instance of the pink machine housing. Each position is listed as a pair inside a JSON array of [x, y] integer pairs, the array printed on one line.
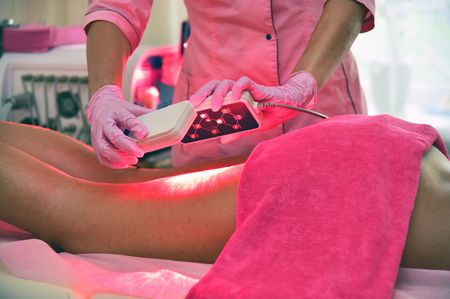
[[151, 75]]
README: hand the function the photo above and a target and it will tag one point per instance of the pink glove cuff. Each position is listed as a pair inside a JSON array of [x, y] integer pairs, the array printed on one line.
[[303, 83], [105, 92]]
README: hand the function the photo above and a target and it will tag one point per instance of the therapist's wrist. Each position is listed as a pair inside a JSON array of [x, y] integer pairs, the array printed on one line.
[[302, 85], [107, 89], [104, 93], [94, 88]]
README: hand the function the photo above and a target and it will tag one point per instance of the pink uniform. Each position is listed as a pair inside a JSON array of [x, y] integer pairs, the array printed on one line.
[[261, 39]]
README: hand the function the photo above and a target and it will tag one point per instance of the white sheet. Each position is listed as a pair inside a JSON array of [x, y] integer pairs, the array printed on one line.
[[26, 260]]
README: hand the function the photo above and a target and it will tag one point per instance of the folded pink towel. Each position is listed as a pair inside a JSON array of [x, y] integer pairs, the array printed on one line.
[[323, 212], [41, 38]]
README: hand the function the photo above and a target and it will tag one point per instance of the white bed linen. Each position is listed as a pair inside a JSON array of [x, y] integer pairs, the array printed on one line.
[[26, 262]]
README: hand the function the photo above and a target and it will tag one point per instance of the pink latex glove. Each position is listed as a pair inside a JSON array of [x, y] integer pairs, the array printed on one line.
[[300, 90], [109, 115]]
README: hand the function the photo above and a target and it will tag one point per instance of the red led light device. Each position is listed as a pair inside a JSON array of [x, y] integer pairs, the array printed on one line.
[[234, 117], [184, 123]]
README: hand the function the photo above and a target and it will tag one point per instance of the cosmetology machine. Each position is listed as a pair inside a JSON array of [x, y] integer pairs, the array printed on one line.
[[47, 89], [43, 77]]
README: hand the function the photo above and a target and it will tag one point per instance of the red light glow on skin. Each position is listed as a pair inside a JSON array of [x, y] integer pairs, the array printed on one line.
[[190, 181], [181, 187]]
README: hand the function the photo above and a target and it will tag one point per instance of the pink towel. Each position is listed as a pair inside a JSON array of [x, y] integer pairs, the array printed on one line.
[[323, 212], [41, 38]]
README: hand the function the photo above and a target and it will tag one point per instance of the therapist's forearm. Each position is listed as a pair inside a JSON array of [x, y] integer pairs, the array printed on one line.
[[107, 52], [333, 36]]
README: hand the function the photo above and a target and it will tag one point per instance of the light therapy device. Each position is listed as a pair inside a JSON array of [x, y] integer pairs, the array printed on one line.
[[185, 123]]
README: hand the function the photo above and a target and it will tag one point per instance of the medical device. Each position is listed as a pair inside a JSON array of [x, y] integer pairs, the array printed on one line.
[[233, 117], [184, 123]]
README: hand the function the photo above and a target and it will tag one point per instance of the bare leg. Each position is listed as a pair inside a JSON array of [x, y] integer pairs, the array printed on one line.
[[79, 160], [165, 218], [428, 242]]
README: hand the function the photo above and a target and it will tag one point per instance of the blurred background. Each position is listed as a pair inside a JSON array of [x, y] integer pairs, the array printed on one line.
[[166, 16], [404, 62]]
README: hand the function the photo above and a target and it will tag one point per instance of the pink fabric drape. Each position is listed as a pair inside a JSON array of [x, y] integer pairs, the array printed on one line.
[[323, 212]]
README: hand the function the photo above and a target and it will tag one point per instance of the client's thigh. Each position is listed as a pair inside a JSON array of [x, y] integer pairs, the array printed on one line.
[[428, 241]]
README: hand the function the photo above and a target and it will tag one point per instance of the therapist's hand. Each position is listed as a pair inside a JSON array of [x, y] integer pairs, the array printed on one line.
[[300, 90], [109, 115]]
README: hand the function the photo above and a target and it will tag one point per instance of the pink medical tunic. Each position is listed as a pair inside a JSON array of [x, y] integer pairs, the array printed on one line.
[[261, 39]]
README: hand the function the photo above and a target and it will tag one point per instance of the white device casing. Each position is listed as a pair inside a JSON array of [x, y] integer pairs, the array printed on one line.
[[167, 126]]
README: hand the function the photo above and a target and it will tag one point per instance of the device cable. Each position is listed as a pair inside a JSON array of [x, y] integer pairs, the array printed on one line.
[[270, 105]]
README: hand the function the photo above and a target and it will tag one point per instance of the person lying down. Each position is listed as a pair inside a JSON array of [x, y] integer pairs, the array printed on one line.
[[53, 187]]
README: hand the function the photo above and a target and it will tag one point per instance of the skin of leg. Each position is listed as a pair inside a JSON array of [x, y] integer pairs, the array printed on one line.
[[428, 242], [186, 217], [79, 160]]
